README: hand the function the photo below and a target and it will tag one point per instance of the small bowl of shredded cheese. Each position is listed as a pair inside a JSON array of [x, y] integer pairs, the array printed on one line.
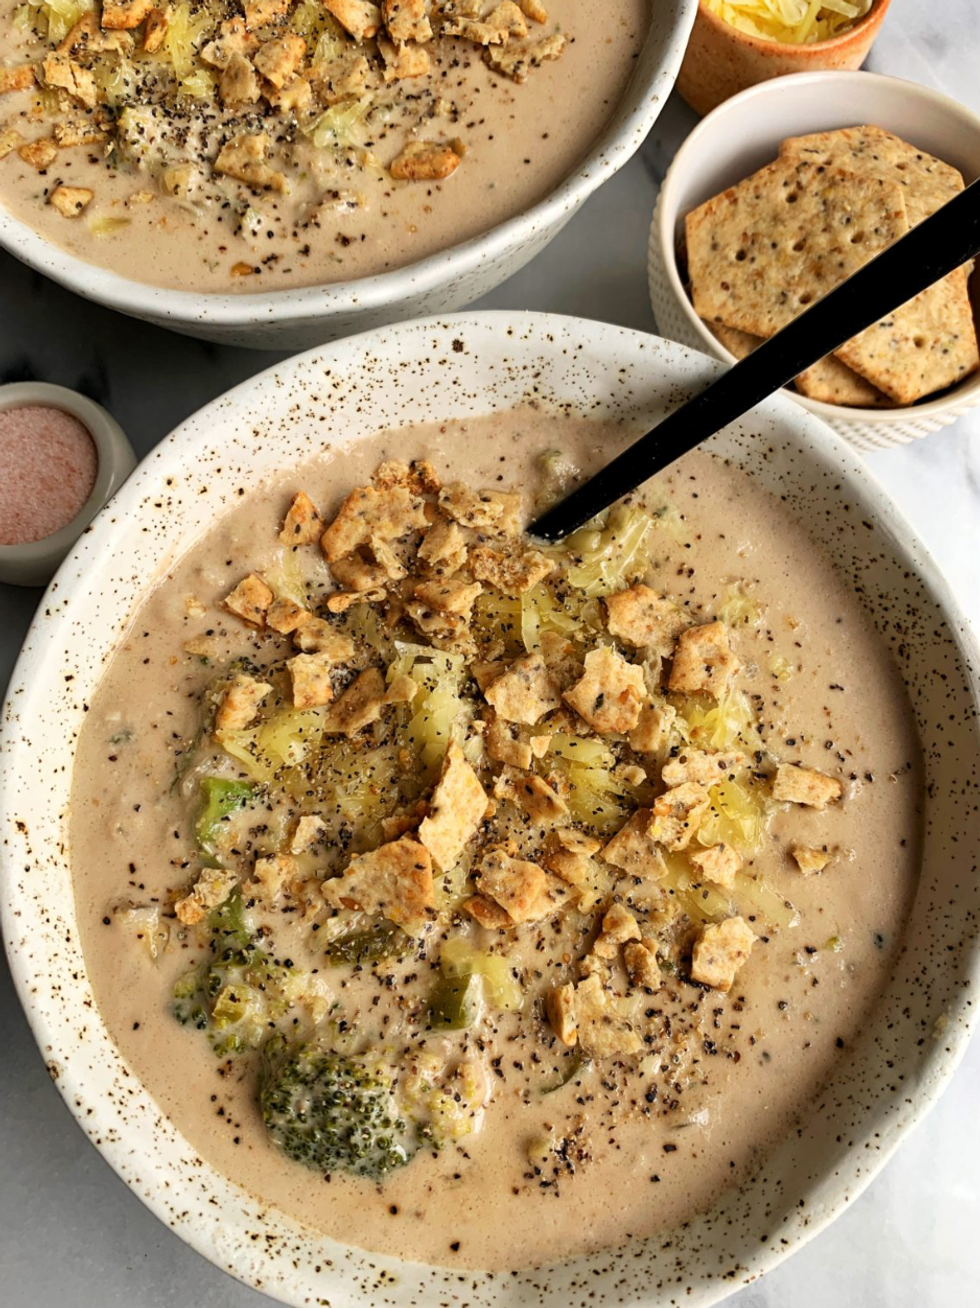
[[737, 43]]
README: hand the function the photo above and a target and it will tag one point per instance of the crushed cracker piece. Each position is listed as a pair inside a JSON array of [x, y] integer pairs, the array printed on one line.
[[642, 968], [704, 663], [213, 886], [634, 851], [124, 14], [240, 703], [457, 808], [610, 693], [516, 59], [512, 574], [642, 618], [488, 913], [532, 793], [677, 813], [61, 71], [359, 17], [795, 784], [443, 548], [70, 200], [286, 617], [525, 692], [317, 636], [406, 20], [497, 513], [706, 767], [308, 830], [271, 875], [392, 881], [424, 161], [652, 731], [155, 29], [277, 60], [250, 600], [719, 951], [18, 78], [310, 673], [618, 927], [402, 62], [387, 514], [244, 158], [39, 154], [520, 887], [238, 84], [504, 745], [811, 859], [359, 705], [449, 596], [260, 12], [719, 864]]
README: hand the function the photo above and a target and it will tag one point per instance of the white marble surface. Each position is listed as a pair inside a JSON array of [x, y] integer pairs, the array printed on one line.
[[70, 1233]]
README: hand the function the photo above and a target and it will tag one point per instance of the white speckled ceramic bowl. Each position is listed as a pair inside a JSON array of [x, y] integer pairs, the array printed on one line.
[[744, 134], [297, 319], [437, 370]]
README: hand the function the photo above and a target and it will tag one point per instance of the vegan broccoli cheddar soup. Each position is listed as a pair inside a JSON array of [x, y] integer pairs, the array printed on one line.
[[483, 902], [244, 145]]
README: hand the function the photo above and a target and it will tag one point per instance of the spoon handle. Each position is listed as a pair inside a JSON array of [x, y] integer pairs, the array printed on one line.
[[930, 251]]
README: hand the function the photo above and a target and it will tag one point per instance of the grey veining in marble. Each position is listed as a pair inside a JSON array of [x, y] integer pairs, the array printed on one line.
[[70, 1233]]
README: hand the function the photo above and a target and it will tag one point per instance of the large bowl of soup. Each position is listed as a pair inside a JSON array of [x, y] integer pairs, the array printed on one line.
[[627, 887], [301, 171]]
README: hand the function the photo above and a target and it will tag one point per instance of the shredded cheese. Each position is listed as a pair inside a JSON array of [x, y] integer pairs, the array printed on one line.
[[791, 22]]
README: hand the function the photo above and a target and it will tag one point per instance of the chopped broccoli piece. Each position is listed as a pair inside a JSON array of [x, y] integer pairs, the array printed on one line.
[[456, 1003], [229, 930], [372, 945], [220, 798], [332, 1112]]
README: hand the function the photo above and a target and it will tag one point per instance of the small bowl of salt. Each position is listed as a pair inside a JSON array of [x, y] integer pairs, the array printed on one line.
[[61, 458]]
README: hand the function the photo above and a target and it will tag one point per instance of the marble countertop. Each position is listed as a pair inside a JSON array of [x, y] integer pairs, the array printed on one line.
[[70, 1232]]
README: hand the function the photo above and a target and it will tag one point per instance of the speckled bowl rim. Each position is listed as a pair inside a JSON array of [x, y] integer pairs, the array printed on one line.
[[638, 111], [277, 1260], [964, 394]]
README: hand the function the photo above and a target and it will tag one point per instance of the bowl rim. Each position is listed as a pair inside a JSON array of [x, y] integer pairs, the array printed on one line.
[[620, 139], [965, 392], [875, 14], [546, 332]]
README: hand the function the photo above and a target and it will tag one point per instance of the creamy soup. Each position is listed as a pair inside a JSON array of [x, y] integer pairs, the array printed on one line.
[[215, 146], [593, 859]]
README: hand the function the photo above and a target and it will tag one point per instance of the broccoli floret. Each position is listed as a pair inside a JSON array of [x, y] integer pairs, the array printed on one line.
[[332, 1112]]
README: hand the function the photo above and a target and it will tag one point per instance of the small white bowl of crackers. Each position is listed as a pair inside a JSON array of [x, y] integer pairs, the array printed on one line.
[[786, 189]]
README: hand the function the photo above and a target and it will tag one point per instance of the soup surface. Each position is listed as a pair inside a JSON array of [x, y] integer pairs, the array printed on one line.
[[216, 146], [589, 1033]]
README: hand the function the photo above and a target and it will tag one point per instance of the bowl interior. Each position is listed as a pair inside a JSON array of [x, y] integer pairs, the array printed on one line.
[[744, 134], [440, 370], [445, 280]]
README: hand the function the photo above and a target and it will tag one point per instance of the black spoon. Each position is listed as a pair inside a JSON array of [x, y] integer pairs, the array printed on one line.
[[942, 242]]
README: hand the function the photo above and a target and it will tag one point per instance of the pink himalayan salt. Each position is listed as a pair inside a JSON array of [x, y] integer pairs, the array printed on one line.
[[48, 465]]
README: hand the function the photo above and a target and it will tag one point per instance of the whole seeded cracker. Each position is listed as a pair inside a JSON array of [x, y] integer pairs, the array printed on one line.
[[930, 343], [741, 344], [872, 152], [833, 382], [829, 380], [923, 347], [764, 250]]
